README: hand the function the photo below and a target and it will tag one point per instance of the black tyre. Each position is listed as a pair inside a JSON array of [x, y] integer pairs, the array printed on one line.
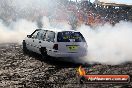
[[44, 54], [25, 50]]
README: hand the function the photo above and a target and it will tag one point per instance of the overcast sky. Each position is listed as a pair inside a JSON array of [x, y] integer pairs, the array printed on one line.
[[115, 1]]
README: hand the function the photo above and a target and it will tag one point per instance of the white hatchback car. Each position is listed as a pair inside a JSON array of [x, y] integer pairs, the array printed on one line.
[[56, 43]]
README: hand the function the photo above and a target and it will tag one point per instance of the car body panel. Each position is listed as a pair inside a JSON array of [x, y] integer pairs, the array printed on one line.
[[65, 49]]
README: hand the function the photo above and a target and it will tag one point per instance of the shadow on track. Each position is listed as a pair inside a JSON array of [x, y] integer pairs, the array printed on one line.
[[58, 62]]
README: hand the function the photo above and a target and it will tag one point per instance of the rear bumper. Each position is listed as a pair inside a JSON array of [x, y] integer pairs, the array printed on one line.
[[69, 54]]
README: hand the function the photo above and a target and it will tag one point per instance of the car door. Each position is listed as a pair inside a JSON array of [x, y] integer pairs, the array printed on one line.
[[40, 39], [30, 40], [49, 41]]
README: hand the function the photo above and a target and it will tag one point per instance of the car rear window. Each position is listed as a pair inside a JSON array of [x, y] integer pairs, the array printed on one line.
[[69, 36]]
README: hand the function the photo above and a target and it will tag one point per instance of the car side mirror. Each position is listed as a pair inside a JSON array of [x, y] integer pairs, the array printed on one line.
[[29, 36]]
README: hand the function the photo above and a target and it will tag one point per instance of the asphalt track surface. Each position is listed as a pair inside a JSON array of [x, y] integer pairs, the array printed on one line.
[[18, 70]]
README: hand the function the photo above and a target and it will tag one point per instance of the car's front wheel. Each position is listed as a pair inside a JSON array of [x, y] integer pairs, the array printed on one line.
[[25, 50]]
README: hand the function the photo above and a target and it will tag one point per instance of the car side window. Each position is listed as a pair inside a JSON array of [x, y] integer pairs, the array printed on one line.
[[50, 36], [34, 35], [41, 35], [38, 35]]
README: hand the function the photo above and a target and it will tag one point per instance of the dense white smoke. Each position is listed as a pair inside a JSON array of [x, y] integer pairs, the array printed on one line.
[[108, 44], [16, 32], [19, 18]]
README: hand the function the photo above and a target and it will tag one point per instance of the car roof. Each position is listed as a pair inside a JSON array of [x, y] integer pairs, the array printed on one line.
[[55, 29]]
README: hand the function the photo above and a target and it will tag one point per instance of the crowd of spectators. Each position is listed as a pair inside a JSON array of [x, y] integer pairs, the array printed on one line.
[[83, 12], [92, 14]]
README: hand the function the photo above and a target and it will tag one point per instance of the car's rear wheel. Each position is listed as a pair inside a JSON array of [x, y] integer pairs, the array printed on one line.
[[44, 54], [25, 50]]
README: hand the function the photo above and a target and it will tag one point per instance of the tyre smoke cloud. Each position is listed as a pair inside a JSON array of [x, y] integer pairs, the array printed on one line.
[[108, 44], [19, 18], [17, 31]]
